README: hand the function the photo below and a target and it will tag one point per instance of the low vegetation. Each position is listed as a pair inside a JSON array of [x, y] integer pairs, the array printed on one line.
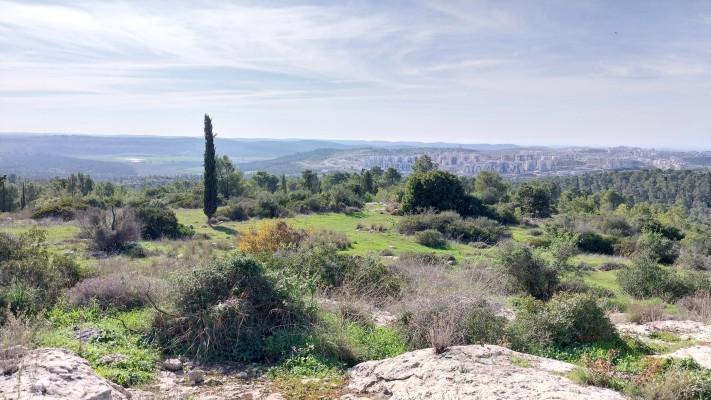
[[308, 277]]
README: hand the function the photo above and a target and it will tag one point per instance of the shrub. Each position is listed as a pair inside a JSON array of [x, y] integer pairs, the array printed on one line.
[[431, 238], [121, 291], [227, 309], [645, 278], [566, 319], [526, 271], [424, 257], [453, 226], [592, 242], [65, 212], [329, 237], [235, 212], [158, 222], [268, 207], [450, 321], [270, 236], [657, 247], [31, 279], [109, 230]]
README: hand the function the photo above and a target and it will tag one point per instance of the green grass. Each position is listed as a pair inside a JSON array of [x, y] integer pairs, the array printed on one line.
[[363, 240], [142, 354]]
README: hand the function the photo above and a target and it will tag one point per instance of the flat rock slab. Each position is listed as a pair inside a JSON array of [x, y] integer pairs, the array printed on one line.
[[51, 373], [472, 372]]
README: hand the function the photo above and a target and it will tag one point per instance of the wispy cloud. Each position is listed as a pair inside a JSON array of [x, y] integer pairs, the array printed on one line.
[[384, 61]]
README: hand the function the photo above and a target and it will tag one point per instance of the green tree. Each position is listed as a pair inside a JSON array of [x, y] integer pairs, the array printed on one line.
[[490, 187], [283, 187], [534, 200], [392, 177], [224, 168], [310, 181], [441, 190], [210, 177], [23, 199], [424, 164], [266, 181], [368, 184]]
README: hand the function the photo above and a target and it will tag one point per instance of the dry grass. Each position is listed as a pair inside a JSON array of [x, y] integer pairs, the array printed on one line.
[[698, 306], [643, 313]]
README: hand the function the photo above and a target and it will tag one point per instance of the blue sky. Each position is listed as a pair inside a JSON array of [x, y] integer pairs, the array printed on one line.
[[599, 73]]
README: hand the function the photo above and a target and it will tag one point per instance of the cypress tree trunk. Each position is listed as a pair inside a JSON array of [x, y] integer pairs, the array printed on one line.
[[210, 177]]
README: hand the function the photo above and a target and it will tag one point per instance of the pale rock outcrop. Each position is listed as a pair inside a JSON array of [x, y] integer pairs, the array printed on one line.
[[471, 372], [50, 373]]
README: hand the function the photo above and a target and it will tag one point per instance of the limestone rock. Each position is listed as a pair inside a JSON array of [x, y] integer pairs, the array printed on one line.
[[196, 377], [471, 372], [51, 373], [173, 364]]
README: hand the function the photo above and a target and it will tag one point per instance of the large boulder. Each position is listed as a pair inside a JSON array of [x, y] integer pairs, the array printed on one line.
[[56, 374], [471, 372]]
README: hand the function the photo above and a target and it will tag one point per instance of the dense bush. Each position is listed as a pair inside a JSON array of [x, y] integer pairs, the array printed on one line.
[[431, 238], [267, 206], [63, 211], [452, 225], [566, 319], [30, 278], [592, 242], [655, 245], [158, 222], [227, 309], [110, 230], [526, 271], [236, 212], [645, 279]]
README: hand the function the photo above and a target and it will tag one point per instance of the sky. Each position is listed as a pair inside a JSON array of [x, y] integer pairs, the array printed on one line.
[[593, 73]]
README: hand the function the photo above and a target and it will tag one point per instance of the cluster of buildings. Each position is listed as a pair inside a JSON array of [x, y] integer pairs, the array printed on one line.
[[543, 162]]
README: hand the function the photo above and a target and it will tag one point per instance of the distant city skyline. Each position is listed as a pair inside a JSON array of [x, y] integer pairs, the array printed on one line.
[[548, 73]]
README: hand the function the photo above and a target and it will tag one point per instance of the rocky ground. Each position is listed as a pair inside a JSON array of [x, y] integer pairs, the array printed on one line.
[[471, 372]]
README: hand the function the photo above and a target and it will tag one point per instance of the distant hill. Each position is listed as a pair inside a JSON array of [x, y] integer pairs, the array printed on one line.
[[48, 155]]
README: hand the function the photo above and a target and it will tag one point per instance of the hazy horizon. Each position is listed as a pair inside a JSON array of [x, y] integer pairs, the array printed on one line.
[[587, 73]]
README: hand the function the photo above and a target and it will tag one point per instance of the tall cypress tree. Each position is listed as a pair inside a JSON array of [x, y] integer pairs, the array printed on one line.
[[22, 199], [210, 178]]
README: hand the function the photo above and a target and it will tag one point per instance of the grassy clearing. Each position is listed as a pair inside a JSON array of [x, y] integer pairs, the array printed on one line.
[[376, 234], [113, 338]]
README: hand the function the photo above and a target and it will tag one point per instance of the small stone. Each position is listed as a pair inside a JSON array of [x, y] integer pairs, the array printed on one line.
[[275, 396], [243, 375], [392, 247], [196, 377], [247, 396], [69, 253], [173, 364], [180, 256]]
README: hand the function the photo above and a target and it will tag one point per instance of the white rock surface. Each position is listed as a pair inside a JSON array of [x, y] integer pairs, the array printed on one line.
[[471, 372], [51, 373]]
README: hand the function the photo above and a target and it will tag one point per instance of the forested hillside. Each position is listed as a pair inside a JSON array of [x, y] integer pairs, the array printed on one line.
[[688, 189]]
